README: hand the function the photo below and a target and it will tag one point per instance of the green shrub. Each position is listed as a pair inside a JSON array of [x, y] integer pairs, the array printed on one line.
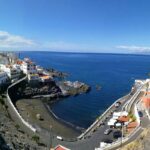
[[35, 138], [2, 101], [17, 126]]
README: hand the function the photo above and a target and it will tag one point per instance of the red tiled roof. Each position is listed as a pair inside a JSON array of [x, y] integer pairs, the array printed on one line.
[[147, 92], [59, 147], [132, 125], [146, 101], [19, 62], [130, 130], [123, 118]]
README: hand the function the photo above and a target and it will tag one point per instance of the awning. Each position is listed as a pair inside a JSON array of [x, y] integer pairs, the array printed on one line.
[[118, 124], [115, 117], [111, 123], [117, 114], [123, 113]]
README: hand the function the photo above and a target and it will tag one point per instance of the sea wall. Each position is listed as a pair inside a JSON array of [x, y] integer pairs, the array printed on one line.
[[14, 113], [101, 116]]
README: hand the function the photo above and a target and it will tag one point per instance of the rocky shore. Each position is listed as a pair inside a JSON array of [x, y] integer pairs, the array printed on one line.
[[56, 73], [52, 90], [69, 88]]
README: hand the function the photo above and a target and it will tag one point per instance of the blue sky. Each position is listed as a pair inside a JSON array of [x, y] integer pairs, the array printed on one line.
[[119, 26]]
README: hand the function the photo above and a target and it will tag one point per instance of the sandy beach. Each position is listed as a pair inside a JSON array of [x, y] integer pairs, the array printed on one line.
[[29, 108]]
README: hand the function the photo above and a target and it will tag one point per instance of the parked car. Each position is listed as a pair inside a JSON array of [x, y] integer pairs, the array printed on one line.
[[107, 131], [59, 138], [140, 114], [107, 140], [117, 134], [93, 130], [117, 104], [101, 124]]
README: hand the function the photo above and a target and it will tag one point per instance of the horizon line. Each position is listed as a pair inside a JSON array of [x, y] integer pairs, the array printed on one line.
[[77, 52]]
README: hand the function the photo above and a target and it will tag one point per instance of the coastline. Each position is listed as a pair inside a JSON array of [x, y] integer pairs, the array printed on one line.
[[68, 124], [29, 108]]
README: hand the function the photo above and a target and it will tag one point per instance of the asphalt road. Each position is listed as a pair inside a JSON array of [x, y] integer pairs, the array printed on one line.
[[90, 143], [98, 136]]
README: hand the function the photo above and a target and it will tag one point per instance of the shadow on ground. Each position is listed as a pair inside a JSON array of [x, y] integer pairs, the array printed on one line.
[[3, 144]]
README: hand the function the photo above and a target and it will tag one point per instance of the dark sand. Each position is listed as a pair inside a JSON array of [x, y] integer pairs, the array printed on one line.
[[29, 108]]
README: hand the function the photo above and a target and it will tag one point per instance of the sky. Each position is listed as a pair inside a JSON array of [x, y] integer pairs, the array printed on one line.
[[109, 26]]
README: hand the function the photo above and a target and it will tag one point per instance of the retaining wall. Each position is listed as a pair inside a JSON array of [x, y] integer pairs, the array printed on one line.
[[14, 113], [136, 114]]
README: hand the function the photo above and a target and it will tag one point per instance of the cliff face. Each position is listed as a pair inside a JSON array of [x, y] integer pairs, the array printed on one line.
[[141, 143]]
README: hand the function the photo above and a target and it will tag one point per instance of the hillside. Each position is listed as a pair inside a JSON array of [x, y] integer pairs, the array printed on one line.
[[141, 143]]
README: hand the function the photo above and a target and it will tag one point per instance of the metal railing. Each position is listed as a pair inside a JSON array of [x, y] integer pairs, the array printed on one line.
[[128, 137], [97, 120]]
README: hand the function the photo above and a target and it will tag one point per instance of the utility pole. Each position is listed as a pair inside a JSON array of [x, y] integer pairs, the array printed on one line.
[[121, 134], [147, 88], [51, 137], [148, 99]]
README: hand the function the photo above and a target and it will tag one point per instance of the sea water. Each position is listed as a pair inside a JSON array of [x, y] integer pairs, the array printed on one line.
[[114, 73]]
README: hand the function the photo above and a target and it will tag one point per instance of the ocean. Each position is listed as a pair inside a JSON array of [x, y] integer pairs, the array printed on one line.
[[115, 73]]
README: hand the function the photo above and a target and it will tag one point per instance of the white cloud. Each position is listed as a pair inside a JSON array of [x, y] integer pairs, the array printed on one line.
[[10, 41], [134, 48], [15, 42]]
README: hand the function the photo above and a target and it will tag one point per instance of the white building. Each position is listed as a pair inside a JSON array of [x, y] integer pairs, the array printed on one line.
[[11, 72], [28, 67], [39, 69], [17, 67], [3, 77]]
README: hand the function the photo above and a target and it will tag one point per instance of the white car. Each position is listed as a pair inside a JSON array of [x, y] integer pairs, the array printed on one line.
[[59, 138], [107, 131]]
